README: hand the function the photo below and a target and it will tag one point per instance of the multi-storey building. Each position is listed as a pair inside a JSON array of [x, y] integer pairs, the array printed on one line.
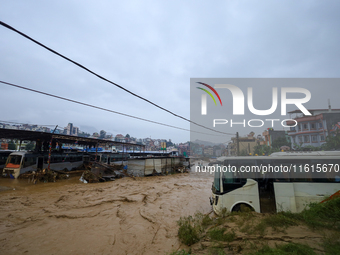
[[120, 138], [312, 130], [246, 144], [208, 151], [71, 130]]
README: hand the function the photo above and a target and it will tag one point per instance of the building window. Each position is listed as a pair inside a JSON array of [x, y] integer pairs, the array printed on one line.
[[320, 125], [292, 128], [306, 138], [300, 139], [322, 138], [314, 138], [305, 126], [312, 126]]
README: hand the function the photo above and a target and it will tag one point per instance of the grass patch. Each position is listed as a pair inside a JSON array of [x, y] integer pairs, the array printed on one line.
[[326, 215], [192, 228], [331, 246], [317, 215], [189, 230], [245, 220], [218, 234], [222, 217], [278, 222], [206, 221], [181, 252], [285, 249], [243, 217], [216, 251], [249, 222]]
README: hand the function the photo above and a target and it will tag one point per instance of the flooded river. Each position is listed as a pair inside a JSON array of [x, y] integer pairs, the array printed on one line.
[[126, 216]]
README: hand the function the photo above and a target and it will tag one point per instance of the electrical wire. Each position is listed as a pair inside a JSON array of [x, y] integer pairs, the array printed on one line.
[[103, 109], [103, 78]]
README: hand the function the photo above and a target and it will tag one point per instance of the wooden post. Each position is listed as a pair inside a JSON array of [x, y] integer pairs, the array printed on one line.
[[95, 157], [123, 155]]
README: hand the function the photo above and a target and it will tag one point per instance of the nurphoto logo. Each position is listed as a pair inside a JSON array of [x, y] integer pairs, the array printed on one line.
[[238, 103]]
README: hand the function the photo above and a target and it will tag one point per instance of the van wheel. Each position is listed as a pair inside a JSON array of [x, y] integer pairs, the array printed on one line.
[[242, 208]]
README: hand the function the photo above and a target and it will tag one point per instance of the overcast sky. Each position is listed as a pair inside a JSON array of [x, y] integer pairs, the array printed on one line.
[[153, 48]]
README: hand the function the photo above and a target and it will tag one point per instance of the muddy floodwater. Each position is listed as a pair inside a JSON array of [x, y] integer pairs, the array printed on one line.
[[126, 216]]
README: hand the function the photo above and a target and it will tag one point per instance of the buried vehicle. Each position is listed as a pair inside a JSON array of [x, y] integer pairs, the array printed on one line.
[[283, 181], [20, 162]]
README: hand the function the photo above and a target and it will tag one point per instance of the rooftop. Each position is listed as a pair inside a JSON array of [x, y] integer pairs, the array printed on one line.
[[26, 135], [316, 110]]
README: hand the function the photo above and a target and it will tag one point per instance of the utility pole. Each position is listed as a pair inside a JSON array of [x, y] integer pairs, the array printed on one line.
[[50, 149], [237, 145]]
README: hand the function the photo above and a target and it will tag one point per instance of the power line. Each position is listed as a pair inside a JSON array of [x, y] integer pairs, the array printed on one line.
[[100, 108], [103, 78]]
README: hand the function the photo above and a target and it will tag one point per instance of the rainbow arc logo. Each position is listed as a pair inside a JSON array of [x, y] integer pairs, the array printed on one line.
[[209, 93]]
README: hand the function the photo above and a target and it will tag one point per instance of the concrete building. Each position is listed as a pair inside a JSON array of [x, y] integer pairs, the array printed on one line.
[[184, 148], [71, 130], [270, 135], [120, 138], [312, 130], [246, 144], [208, 151]]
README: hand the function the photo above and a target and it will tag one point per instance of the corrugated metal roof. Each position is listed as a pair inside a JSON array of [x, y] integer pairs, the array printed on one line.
[[26, 135]]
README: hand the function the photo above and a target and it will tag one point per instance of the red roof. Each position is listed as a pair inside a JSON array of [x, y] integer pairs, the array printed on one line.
[[314, 110]]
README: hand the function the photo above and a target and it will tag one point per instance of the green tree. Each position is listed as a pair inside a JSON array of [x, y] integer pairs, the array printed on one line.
[[280, 141], [12, 145], [127, 136], [243, 152], [311, 148], [30, 146], [261, 150], [332, 141], [297, 147]]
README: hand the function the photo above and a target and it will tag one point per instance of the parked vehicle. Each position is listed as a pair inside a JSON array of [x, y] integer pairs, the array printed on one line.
[[20, 162], [233, 190]]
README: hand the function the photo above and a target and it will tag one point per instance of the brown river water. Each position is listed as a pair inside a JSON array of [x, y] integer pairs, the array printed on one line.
[[126, 216]]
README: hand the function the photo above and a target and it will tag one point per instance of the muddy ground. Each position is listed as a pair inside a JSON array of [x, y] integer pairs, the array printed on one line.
[[126, 216]]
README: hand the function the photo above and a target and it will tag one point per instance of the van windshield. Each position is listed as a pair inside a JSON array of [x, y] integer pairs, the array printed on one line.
[[14, 161]]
